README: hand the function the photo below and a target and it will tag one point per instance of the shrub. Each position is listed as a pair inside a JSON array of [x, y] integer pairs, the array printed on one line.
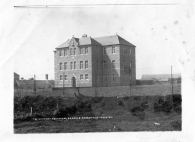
[[96, 99], [121, 103], [138, 112], [176, 125], [145, 105]]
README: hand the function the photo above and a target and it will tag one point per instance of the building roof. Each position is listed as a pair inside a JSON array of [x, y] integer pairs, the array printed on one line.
[[112, 40], [30, 83], [159, 76], [100, 41], [15, 74]]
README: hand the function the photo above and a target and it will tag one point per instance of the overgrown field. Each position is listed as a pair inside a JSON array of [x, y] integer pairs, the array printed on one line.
[[133, 113]]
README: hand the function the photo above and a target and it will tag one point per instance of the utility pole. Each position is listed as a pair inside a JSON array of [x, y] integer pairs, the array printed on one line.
[[130, 80], [171, 80], [63, 83], [35, 89]]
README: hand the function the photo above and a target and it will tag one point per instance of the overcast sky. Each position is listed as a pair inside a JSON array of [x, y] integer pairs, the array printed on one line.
[[159, 32]]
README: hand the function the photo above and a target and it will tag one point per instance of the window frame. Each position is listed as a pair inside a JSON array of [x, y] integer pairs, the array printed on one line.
[[86, 64], [81, 64], [113, 64], [113, 50], [81, 76], [87, 76], [71, 65], [65, 65], [60, 67]]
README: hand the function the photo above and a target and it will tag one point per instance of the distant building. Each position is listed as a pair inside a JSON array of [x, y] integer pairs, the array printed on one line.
[[16, 76], [89, 62], [29, 85], [162, 78]]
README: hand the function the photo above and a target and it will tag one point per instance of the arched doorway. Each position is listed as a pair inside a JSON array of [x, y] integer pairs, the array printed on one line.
[[73, 81]]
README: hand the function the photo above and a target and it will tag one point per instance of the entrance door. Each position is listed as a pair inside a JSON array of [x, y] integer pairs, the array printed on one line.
[[73, 81]]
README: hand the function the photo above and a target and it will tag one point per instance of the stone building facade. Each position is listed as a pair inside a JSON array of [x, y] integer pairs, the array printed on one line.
[[91, 62]]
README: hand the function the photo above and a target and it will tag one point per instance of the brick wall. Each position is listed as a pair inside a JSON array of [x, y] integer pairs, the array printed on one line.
[[125, 90]]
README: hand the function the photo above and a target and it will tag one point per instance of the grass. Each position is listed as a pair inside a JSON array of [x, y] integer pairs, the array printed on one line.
[[125, 113]]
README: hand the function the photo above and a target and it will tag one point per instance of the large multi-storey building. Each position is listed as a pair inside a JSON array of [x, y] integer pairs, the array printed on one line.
[[91, 62]]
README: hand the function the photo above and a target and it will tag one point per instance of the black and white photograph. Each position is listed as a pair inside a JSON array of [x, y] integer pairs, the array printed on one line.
[[106, 67]]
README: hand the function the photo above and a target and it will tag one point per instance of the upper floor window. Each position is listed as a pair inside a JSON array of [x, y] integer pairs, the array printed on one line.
[[97, 50], [60, 53], [74, 64], [104, 64], [74, 51], [130, 64], [71, 51], [65, 66], [124, 64], [104, 50], [71, 65], [60, 66], [65, 51], [113, 63], [61, 77], [124, 49], [130, 51], [113, 77], [86, 64], [81, 50], [86, 50], [113, 49], [97, 63], [81, 64], [86, 76]]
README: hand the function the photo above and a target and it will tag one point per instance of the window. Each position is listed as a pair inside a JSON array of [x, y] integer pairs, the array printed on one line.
[[65, 66], [130, 51], [60, 66], [61, 77], [130, 64], [81, 50], [113, 49], [113, 63], [97, 50], [130, 77], [86, 64], [81, 76], [71, 65], [105, 78], [97, 63], [104, 64], [65, 51], [123, 50], [105, 52], [65, 77], [60, 53], [86, 76], [74, 64], [124, 64], [81, 64], [74, 51], [86, 50], [113, 77], [71, 51]]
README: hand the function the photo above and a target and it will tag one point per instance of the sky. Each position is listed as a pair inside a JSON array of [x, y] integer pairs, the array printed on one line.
[[159, 32]]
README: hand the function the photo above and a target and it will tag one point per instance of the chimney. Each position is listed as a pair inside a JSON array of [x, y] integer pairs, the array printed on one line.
[[84, 36], [46, 76]]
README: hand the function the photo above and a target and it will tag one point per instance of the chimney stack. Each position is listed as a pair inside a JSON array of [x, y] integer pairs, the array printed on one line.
[[84, 36]]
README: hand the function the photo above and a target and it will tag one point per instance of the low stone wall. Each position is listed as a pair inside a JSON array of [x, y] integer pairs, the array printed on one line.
[[125, 90]]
